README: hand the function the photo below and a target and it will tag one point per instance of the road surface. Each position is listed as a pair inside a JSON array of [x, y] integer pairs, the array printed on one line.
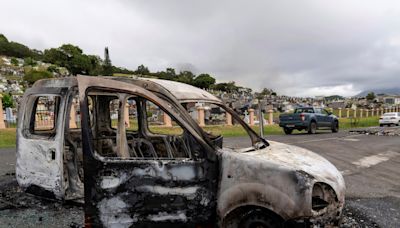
[[370, 165]]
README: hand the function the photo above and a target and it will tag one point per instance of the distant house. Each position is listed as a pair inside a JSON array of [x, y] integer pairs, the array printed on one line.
[[391, 100], [337, 105]]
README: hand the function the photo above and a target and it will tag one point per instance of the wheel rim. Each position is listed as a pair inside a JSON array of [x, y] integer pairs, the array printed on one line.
[[258, 221]]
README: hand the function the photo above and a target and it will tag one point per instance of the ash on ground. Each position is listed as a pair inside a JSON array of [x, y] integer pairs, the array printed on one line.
[[20, 209]]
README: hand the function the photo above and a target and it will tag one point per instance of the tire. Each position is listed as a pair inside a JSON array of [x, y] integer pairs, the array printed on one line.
[[335, 127], [288, 131], [380, 125], [258, 218], [312, 129]]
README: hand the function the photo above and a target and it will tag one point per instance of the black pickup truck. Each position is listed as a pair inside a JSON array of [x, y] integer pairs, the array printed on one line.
[[310, 119]]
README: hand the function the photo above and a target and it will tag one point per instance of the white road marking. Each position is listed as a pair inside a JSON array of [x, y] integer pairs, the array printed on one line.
[[326, 139], [369, 161], [350, 139]]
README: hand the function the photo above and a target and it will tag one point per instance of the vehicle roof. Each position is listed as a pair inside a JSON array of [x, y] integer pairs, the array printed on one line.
[[184, 92], [181, 91]]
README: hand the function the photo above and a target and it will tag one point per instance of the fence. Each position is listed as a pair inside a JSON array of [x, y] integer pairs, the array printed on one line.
[[44, 119]]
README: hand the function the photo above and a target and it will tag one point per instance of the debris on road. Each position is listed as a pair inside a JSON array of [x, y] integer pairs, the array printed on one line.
[[380, 131], [20, 209]]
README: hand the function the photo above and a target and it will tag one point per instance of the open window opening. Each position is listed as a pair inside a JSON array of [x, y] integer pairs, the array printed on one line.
[[126, 126], [42, 116], [223, 126]]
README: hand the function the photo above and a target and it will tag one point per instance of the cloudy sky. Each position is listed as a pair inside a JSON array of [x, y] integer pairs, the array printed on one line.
[[302, 48]]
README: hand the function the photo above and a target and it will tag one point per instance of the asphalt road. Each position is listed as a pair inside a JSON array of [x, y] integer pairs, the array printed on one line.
[[370, 165], [7, 161]]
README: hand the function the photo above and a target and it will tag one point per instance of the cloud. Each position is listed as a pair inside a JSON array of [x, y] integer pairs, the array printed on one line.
[[294, 47]]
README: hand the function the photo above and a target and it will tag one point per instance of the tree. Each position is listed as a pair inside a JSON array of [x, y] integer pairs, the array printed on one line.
[[34, 75], [122, 70], [55, 56], [8, 101], [70, 57], [370, 96], [204, 81], [226, 87], [96, 65], [53, 69], [107, 66], [185, 77], [142, 70]]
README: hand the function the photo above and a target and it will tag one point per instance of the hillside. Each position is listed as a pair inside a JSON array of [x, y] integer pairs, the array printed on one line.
[[389, 91]]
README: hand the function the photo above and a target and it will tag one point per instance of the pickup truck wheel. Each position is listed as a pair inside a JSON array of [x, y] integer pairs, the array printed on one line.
[[257, 218], [288, 131], [312, 129], [335, 127]]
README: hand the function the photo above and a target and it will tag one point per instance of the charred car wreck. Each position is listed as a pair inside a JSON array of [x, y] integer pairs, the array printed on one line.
[[128, 174]]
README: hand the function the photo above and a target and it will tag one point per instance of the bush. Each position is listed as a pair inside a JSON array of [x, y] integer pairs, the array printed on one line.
[[14, 61], [7, 101], [34, 75]]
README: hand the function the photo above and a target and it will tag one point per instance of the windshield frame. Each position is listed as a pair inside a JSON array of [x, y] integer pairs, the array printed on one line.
[[254, 137]]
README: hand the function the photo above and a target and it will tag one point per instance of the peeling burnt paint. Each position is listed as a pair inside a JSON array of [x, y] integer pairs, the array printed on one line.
[[280, 178]]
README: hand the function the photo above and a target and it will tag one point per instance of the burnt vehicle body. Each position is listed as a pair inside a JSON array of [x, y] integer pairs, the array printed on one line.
[[130, 175]]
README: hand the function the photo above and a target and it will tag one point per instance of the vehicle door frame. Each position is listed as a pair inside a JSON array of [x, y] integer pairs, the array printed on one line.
[[319, 117], [94, 163], [328, 119], [47, 178]]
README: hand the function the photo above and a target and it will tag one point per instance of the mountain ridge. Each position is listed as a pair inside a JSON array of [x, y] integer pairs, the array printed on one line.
[[387, 91]]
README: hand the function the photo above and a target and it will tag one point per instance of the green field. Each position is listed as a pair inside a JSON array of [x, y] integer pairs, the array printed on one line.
[[7, 136]]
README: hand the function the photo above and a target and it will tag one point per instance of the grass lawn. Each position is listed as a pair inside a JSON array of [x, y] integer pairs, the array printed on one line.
[[358, 122], [7, 136]]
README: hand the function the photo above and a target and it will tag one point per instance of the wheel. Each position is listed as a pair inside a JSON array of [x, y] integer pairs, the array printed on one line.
[[288, 131], [258, 218], [335, 127], [380, 125], [312, 128]]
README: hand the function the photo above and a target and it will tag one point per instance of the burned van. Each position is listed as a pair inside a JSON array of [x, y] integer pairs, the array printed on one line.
[[130, 149]]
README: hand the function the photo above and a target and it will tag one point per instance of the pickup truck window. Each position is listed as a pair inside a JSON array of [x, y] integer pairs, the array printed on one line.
[[325, 112], [304, 110]]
